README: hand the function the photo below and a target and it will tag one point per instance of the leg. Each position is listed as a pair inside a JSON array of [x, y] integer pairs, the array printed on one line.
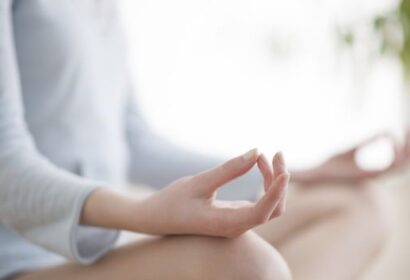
[[334, 237], [305, 207], [183, 257]]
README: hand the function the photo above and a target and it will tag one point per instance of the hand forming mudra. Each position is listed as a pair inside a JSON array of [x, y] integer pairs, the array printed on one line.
[[189, 206]]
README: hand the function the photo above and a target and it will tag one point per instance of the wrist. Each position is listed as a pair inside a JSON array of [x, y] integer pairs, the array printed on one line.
[[111, 209]]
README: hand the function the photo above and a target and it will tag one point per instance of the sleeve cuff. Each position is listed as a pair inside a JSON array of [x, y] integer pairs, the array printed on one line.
[[88, 244]]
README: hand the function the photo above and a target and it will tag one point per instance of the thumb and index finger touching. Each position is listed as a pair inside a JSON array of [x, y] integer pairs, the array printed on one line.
[[214, 178], [276, 179]]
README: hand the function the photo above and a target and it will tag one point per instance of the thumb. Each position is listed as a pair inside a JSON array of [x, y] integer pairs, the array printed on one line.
[[210, 180]]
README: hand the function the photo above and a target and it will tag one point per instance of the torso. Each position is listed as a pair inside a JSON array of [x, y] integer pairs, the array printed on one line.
[[74, 83]]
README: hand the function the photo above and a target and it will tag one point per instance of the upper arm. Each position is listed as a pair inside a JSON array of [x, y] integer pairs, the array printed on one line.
[[13, 131]]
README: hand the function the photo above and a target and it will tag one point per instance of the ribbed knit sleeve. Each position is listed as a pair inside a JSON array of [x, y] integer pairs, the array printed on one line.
[[39, 201]]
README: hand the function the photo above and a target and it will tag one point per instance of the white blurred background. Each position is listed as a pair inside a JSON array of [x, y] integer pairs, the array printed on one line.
[[223, 76]]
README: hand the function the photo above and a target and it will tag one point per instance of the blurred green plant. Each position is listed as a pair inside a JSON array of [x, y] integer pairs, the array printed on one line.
[[404, 51], [393, 32]]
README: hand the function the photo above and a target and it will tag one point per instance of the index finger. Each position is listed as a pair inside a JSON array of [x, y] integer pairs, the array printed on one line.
[[270, 201]]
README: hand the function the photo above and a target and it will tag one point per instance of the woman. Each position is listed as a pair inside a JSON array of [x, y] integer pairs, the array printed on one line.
[[70, 131]]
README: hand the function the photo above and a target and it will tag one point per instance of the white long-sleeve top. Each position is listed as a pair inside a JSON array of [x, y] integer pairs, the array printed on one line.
[[68, 125]]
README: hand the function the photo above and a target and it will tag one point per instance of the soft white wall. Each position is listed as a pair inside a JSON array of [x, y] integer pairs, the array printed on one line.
[[223, 76]]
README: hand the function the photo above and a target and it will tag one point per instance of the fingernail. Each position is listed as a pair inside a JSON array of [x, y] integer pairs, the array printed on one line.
[[251, 154], [281, 159]]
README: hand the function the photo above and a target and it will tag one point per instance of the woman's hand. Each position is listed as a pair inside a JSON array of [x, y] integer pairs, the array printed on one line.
[[188, 205], [343, 167]]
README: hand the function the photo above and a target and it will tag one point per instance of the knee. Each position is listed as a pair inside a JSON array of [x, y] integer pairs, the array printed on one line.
[[247, 257]]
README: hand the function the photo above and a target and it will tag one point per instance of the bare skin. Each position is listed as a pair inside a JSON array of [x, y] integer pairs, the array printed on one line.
[[343, 168], [328, 226], [186, 207], [311, 215], [323, 228], [179, 258], [189, 206]]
